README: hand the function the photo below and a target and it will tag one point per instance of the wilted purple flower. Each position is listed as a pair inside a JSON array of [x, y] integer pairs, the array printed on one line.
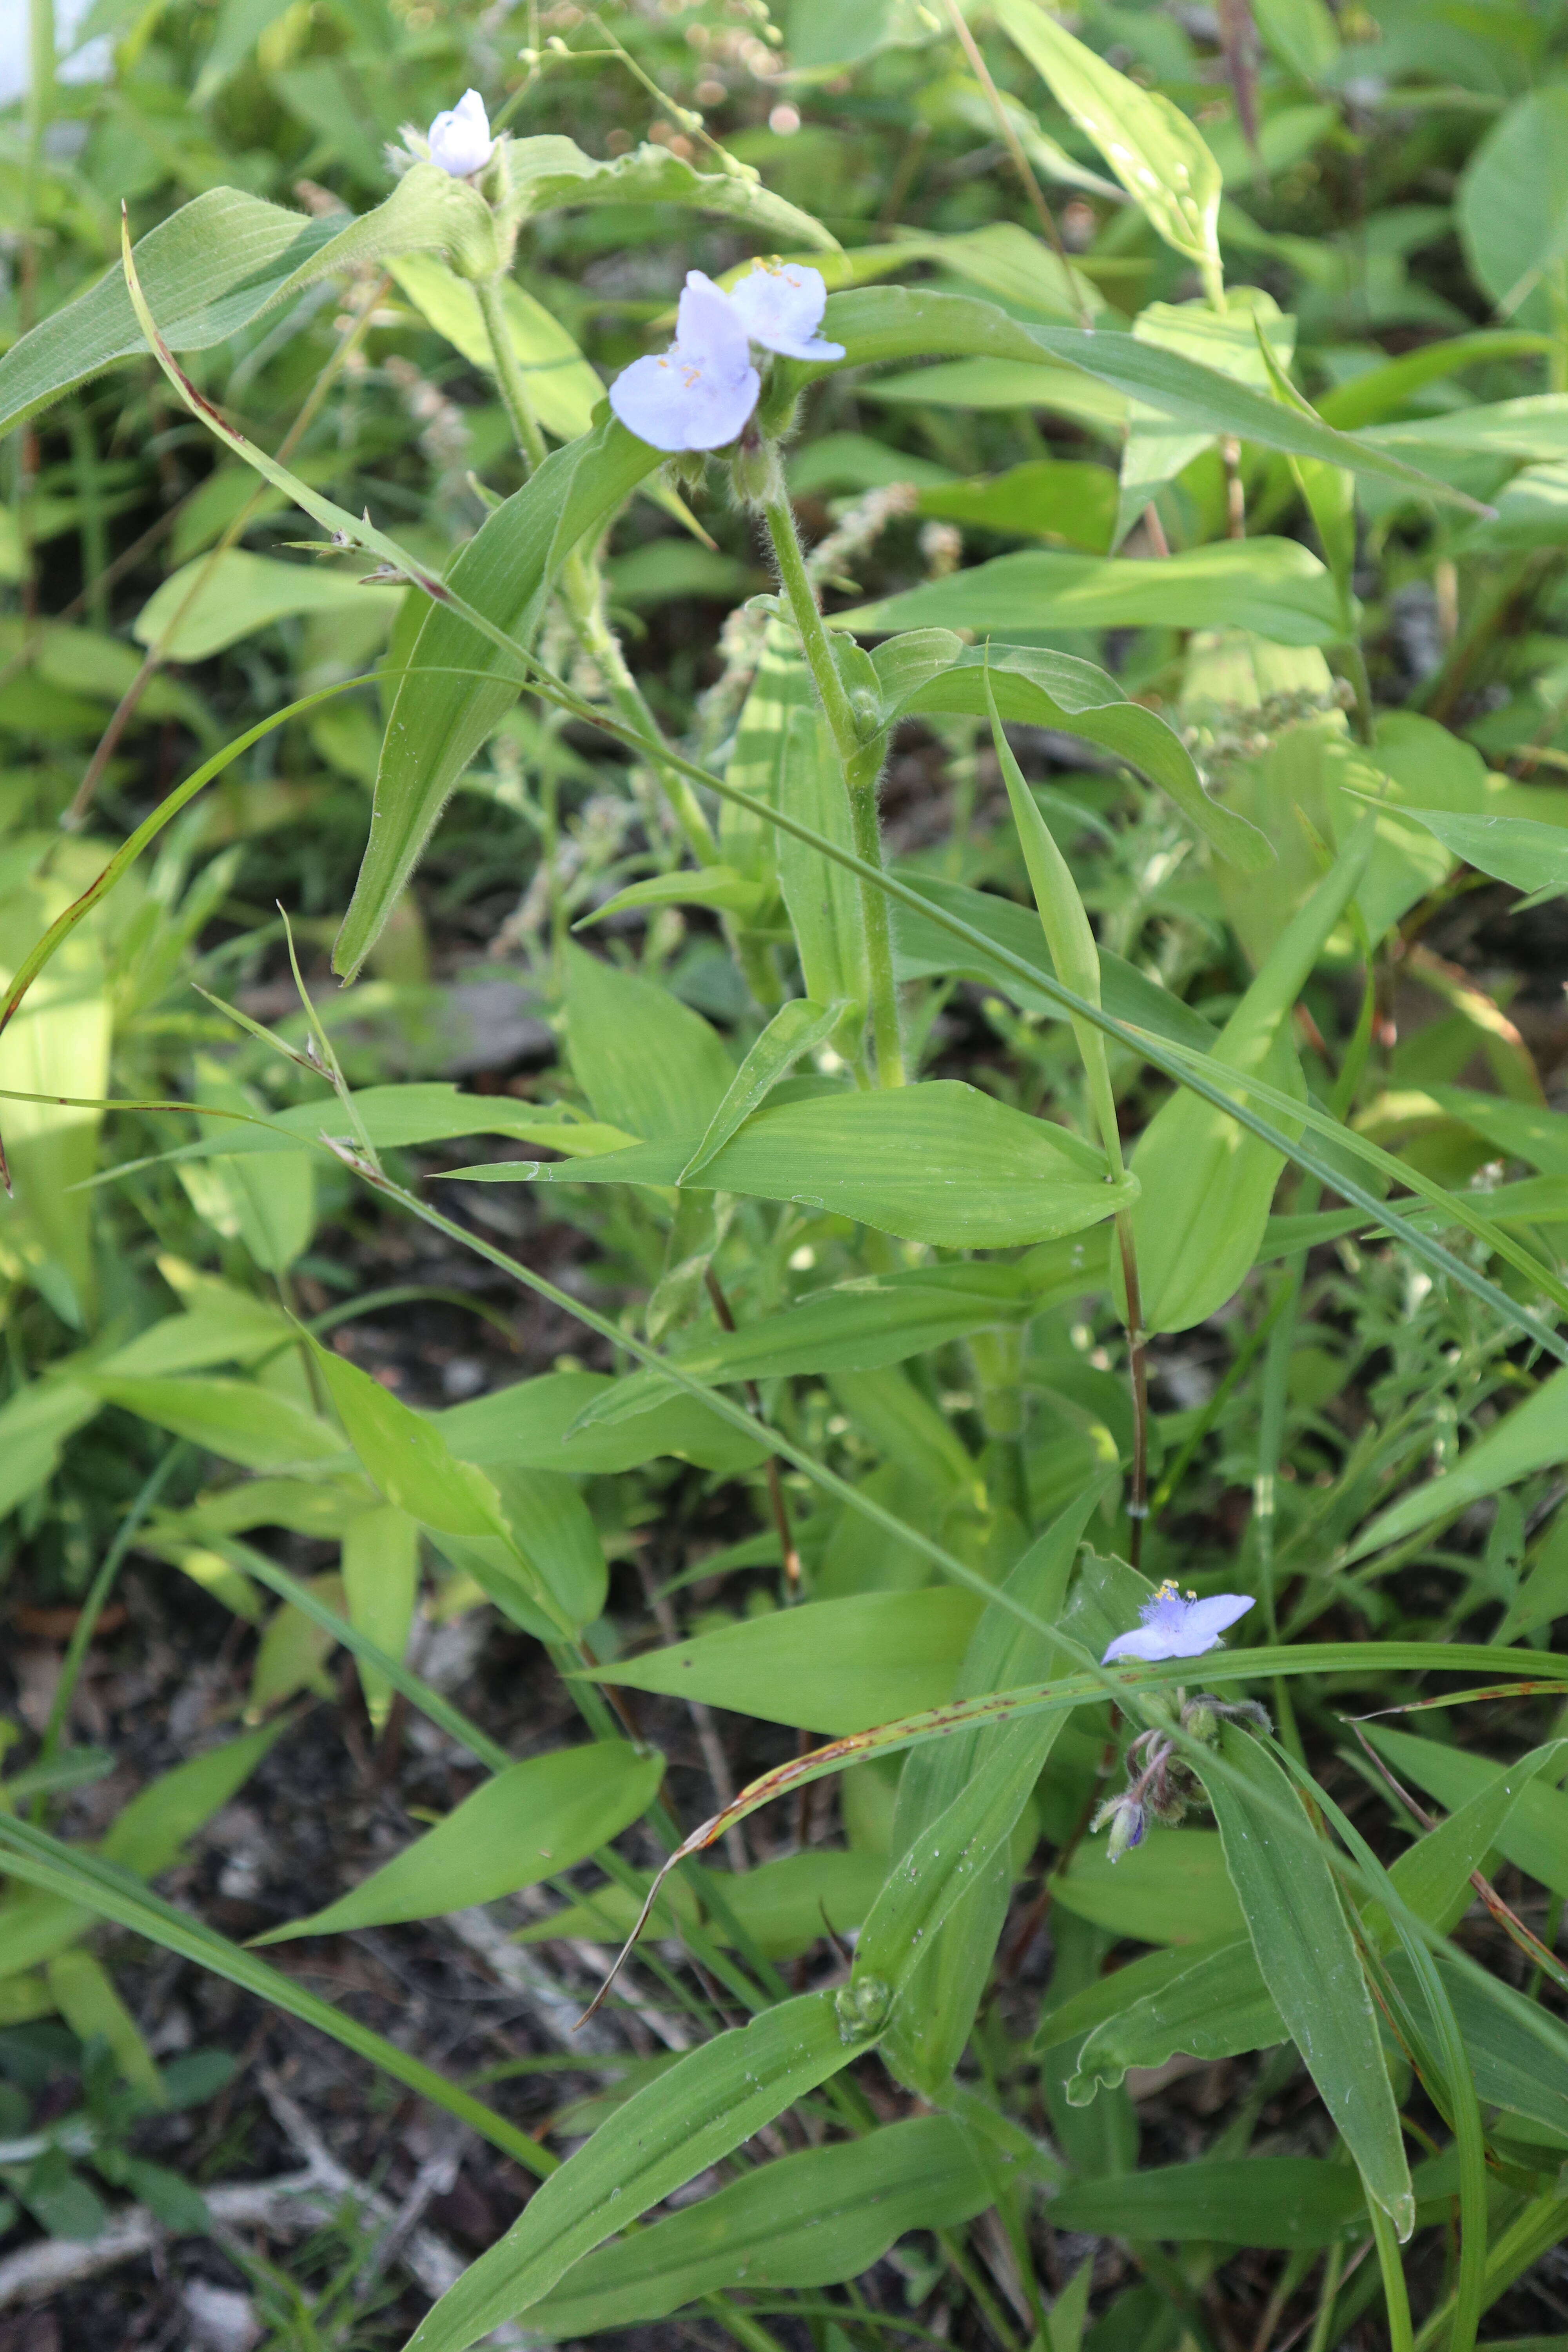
[[1174, 1627], [781, 306], [460, 140], [700, 393]]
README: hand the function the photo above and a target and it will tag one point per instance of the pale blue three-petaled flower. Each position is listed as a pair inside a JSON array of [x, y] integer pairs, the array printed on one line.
[[700, 393], [1174, 1627], [459, 140]]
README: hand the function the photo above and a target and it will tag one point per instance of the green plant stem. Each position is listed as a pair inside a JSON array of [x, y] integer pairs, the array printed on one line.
[[581, 583], [860, 757], [583, 587], [1528, 2236], [1138, 1373], [509, 374], [1333, 2269], [1395, 2300]]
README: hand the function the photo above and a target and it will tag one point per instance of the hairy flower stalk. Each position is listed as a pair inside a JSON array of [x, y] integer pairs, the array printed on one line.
[[581, 581], [699, 394]]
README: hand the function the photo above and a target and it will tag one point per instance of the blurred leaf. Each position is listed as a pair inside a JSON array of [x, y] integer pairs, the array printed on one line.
[[257, 1427], [381, 1585], [1275, 586], [1047, 497], [87, 1999], [533, 1821], [232, 595], [561, 385], [1157, 154], [1512, 207]]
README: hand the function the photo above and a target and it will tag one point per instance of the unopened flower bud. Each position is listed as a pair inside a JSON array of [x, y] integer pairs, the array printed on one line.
[[1199, 1721], [460, 141], [1128, 1822]]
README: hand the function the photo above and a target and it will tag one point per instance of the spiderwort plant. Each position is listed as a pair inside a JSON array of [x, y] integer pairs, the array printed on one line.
[[741, 1153]]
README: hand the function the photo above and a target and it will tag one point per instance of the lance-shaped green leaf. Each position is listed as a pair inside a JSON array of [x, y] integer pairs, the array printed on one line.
[[1433, 1875], [937, 1162], [532, 1821], [143, 1838], [858, 1327], [1308, 1960], [892, 322], [1248, 339], [1533, 1437], [381, 1585], [1532, 1832], [261, 1428], [561, 385], [795, 1028], [222, 261], [1199, 1219], [1160, 157], [808, 2220], [829, 1666], [437, 724], [950, 1957], [407, 1454], [1217, 2008], [1513, 208], [710, 2102], [1068, 935], [90, 1886], [922, 948], [1275, 587], [1275, 2200], [646, 1063], [526, 1535], [779, 1908], [1513, 849], [548, 171], [946, 1862]]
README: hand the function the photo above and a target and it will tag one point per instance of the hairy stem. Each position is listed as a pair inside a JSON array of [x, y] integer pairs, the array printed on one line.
[[581, 583], [861, 758]]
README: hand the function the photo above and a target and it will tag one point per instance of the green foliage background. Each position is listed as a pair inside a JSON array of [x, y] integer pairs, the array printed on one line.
[[1019, 922]]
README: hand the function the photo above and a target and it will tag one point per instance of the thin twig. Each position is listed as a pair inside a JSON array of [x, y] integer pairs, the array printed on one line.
[[1021, 164]]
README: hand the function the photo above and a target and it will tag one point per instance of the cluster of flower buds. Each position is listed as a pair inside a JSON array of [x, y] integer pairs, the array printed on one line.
[[699, 393], [1159, 1780]]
